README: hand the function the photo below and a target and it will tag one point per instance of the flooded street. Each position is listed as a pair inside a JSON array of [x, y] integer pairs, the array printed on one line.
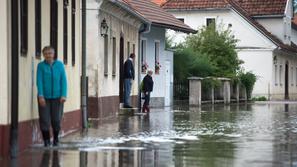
[[223, 136]]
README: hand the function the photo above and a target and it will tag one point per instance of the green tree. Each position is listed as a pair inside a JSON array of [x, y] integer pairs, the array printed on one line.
[[190, 63], [219, 45]]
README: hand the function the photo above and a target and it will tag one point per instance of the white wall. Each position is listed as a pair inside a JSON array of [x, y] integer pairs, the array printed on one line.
[[119, 22], [260, 63], [279, 78], [28, 62], [5, 59], [274, 25], [156, 34], [246, 33], [294, 36]]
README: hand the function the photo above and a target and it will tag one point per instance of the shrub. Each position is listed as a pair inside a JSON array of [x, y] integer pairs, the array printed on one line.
[[261, 98], [219, 45], [248, 80]]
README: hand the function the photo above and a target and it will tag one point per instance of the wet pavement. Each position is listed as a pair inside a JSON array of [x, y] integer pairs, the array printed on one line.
[[248, 135]]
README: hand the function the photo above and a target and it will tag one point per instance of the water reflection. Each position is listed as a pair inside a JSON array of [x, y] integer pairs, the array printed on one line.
[[210, 136]]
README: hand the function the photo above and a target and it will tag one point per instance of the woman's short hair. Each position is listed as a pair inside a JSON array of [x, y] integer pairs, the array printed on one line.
[[150, 71], [47, 48]]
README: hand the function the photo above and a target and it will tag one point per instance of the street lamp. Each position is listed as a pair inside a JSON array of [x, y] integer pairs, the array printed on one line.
[[274, 59], [104, 28]]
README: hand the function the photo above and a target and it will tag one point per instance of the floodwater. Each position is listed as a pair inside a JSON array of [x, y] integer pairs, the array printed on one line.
[[251, 135]]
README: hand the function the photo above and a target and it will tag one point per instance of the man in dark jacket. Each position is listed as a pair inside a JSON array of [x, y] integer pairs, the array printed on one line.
[[129, 76], [147, 88]]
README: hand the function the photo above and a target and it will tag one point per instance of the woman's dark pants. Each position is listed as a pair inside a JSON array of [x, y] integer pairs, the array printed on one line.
[[50, 115], [146, 104]]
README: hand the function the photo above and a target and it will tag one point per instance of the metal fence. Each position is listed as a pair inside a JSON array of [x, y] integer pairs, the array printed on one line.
[[181, 90]]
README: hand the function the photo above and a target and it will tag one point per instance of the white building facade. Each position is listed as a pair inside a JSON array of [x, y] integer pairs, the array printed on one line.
[[24, 34], [265, 40]]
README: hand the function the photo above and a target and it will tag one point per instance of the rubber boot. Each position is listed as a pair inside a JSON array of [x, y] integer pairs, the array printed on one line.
[[143, 108], [56, 138], [46, 138], [148, 108]]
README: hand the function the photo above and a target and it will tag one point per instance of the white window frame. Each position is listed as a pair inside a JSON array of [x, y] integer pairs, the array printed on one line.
[[280, 75], [275, 74], [155, 55], [292, 76], [143, 52], [114, 56], [211, 17], [105, 46]]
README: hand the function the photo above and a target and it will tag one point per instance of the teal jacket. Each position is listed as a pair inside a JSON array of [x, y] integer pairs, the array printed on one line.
[[51, 80]]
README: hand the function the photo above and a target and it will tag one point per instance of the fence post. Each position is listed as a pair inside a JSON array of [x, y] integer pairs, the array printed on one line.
[[226, 90], [212, 95], [195, 91], [237, 93]]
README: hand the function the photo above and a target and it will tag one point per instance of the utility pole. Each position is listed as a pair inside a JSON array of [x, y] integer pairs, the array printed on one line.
[[84, 66], [14, 79]]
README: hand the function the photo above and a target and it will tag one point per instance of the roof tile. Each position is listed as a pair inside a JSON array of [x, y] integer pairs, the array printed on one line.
[[158, 16], [253, 7]]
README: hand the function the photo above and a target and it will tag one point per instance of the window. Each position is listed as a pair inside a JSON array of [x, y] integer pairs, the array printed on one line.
[[65, 31], [144, 65], [292, 76], [38, 28], [54, 26], [133, 48], [157, 56], [181, 19], [275, 75], [24, 26], [128, 49], [106, 55], [114, 48], [210, 21], [296, 77], [280, 75], [73, 4]]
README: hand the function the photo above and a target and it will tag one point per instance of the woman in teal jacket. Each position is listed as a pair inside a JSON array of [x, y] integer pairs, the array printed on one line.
[[52, 93]]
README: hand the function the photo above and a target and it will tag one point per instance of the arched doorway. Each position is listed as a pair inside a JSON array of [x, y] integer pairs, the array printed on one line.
[[287, 81], [121, 80]]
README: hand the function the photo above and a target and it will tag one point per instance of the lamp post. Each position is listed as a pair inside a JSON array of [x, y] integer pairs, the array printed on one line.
[[104, 28], [274, 59]]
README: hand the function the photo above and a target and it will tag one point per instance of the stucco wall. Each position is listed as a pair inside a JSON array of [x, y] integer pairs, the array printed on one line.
[[156, 34], [120, 23], [4, 58], [294, 36], [247, 35], [274, 25], [262, 68], [28, 62], [279, 78]]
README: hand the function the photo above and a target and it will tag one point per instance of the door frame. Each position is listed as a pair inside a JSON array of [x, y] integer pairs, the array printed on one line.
[[121, 69], [287, 81]]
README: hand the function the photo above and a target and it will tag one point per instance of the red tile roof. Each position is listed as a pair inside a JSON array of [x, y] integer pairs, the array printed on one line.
[[158, 16], [263, 7], [194, 4], [159, 2], [236, 5], [253, 7]]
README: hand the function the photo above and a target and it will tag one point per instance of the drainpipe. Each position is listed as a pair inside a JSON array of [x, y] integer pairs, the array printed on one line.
[[83, 71], [145, 29], [14, 78]]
